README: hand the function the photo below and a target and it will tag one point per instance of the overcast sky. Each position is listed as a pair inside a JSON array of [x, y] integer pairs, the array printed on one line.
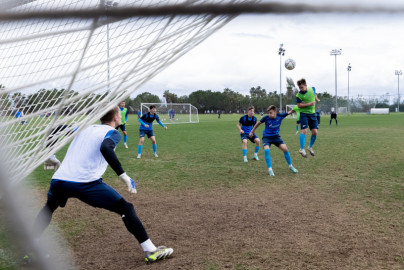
[[244, 53]]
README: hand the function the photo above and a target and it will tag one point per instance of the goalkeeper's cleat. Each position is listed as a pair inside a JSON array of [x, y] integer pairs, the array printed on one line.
[[271, 172], [293, 169], [155, 155], [139, 156], [311, 151], [126, 145], [256, 157], [161, 253], [303, 153], [245, 159]]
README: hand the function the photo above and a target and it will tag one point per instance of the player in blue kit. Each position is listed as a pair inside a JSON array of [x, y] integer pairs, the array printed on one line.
[[270, 136], [146, 128], [245, 125], [80, 176]]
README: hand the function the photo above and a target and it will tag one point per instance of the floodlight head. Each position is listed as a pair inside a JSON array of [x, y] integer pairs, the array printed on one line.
[[399, 72], [349, 67]]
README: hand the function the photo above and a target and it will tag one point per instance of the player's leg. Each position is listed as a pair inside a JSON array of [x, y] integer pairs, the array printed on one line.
[[244, 148], [336, 121], [288, 159], [313, 125], [140, 145], [154, 145], [98, 194], [303, 131], [297, 127], [257, 147], [267, 144], [125, 137]]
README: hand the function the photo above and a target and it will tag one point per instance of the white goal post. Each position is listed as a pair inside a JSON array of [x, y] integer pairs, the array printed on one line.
[[173, 113], [342, 110]]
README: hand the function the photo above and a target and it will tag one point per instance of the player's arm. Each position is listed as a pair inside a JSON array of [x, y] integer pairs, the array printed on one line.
[[301, 104], [143, 123], [317, 99], [161, 124], [108, 152], [254, 128], [126, 116], [239, 128]]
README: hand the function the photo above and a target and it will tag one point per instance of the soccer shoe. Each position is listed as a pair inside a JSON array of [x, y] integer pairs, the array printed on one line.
[[293, 169], [271, 172], [311, 151], [160, 254], [303, 153], [155, 155], [256, 157], [297, 132], [126, 145], [139, 156], [245, 159]]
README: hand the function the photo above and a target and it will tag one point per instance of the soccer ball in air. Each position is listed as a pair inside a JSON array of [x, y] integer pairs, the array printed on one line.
[[290, 64]]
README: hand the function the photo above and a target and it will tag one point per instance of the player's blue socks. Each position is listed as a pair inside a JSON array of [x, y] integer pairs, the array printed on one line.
[[302, 140], [297, 128], [154, 148], [139, 149], [312, 140], [125, 138], [244, 152], [257, 148], [287, 157], [267, 158]]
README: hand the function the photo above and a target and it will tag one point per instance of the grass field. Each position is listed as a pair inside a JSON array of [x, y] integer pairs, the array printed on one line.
[[358, 165]]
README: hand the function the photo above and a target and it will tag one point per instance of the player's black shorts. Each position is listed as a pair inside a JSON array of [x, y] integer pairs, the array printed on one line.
[[122, 127], [268, 140], [308, 120], [246, 137], [333, 116]]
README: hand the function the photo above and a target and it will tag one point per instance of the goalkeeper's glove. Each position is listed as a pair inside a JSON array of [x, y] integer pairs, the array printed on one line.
[[129, 182]]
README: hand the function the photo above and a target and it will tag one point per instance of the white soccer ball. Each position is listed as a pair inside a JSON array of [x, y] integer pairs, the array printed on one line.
[[290, 64]]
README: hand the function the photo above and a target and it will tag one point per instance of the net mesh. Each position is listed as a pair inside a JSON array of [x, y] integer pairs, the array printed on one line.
[[60, 75], [174, 113]]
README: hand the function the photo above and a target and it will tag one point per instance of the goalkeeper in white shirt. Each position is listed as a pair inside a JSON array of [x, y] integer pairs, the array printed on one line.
[[80, 176]]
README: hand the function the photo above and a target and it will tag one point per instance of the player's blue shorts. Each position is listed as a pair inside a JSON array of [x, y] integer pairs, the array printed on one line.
[[308, 121], [268, 140], [149, 133], [95, 193], [246, 137], [122, 127]]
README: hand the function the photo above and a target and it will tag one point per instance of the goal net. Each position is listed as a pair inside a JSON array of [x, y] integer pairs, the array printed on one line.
[[290, 107], [342, 110], [173, 113]]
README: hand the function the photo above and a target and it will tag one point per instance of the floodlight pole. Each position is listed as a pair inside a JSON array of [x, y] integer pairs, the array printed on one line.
[[349, 70], [398, 73], [336, 52], [281, 53], [108, 5]]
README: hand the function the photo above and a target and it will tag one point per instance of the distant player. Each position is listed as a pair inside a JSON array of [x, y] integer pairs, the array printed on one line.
[[124, 119], [318, 114], [245, 125], [306, 99], [20, 114], [146, 129], [334, 116], [173, 114], [270, 136], [80, 176]]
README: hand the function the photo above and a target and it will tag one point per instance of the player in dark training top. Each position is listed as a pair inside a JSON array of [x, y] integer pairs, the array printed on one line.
[[245, 125], [146, 128], [270, 136]]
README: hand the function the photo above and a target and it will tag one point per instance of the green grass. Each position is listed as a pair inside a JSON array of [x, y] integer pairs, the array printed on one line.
[[360, 161]]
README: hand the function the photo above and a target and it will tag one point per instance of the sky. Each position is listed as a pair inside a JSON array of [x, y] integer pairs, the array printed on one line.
[[244, 54]]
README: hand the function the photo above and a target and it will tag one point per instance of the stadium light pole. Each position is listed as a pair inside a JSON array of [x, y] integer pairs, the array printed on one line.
[[281, 53], [398, 73], [109, 5], [336, 52], [349, 70]]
